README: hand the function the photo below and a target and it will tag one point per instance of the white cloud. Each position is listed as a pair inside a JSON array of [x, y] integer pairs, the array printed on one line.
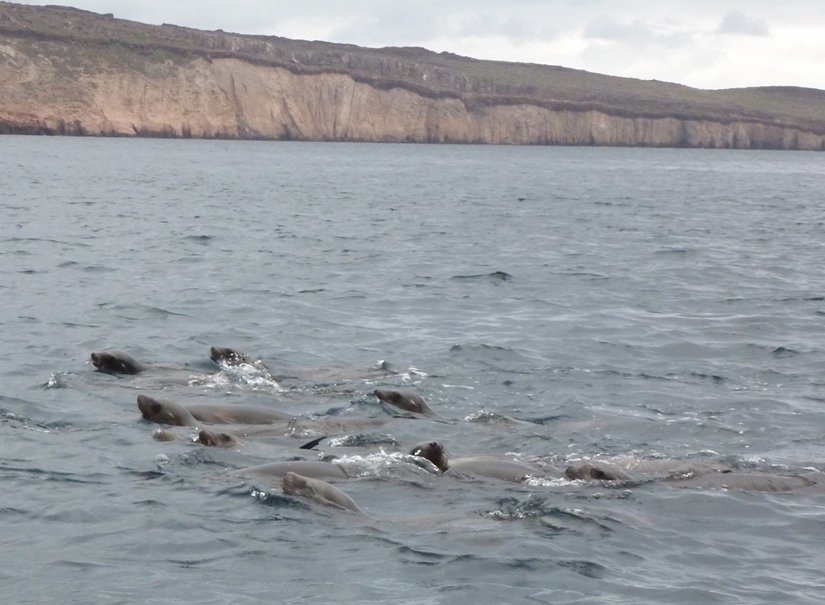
[[636, 33], [390, 26]]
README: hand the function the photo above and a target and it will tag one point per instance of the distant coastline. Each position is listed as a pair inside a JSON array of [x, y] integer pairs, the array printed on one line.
[[65, 71]]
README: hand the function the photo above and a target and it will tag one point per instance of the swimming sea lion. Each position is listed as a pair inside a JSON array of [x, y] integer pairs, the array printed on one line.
[[483, 466], [218, 438], [164, 435], [321, 491], [165, 412], [409, 402], [598, 471], [235, 357], [756, 482], [228, 356], [232, 357], [314, 469], [205, 437], [237, 414], [169, 412], [434, 452], [117, 362]]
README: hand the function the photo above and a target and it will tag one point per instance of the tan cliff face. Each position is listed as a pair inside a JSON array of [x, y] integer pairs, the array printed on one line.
[[131, 95]]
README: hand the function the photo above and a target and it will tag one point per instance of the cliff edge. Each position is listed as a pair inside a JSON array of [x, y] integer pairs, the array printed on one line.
[[67, 71]]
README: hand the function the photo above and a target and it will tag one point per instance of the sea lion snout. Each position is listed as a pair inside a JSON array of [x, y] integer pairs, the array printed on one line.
[[117, 362], [228, 355], [434, 452], [148, 407]]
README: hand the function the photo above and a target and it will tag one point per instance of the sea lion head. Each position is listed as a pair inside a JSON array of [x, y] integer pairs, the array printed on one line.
[[579, 472], [164, 412], [434, 452], [163, 435], [232, 357], [116, 362], [217, 438], [598, 472], [405, 401]]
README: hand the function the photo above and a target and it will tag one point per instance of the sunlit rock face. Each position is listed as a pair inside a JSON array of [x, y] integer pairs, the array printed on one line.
[[56, 83]]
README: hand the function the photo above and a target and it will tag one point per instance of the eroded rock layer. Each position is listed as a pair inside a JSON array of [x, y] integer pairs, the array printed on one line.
[[96, 84]]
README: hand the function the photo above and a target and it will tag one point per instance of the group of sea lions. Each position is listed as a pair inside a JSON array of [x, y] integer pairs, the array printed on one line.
[[228, 425]]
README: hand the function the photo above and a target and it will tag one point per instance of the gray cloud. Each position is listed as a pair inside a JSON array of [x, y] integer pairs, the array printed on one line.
[[636, 33], [738, 23]]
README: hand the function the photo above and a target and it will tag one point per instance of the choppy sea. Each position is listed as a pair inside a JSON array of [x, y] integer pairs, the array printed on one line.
[[653, 309]]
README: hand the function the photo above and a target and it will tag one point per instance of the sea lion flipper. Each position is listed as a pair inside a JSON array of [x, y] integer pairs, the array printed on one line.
[[311, 445]]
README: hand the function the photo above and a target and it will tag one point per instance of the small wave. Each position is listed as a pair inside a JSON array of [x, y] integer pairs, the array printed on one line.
[[254, 375], [382, 463], [714, 377], [57, 380], [585, 274], [784, 352], [588, 569], [495, 276], [277, 500], [543, 420], [804, 299], [143, 311], [548, 515], [410, 370], [485, 417], [494, 356], [423, 557], [98, 269], [201, 239], [673, 251], [363, 440]]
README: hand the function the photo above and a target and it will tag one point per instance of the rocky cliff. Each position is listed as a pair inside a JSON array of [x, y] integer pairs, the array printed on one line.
[[64, 71]]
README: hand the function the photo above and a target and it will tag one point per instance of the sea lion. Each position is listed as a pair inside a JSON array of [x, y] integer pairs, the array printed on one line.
[[117, 362], [164, 435], [204, 437], [169, 412], [598, 471], [165, 412], [755, 482], [235, 357], [314, 469], [218, 439], [409, 402], [232, 357], [321, 491], [483, 466]]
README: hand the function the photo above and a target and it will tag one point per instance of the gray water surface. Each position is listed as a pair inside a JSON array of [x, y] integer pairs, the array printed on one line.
[[654, 309]]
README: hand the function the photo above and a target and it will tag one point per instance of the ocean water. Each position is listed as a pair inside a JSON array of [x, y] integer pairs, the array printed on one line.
[[659, 310]]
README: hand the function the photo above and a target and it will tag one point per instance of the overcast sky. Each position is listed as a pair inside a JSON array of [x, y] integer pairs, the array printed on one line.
[[701, 43]]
